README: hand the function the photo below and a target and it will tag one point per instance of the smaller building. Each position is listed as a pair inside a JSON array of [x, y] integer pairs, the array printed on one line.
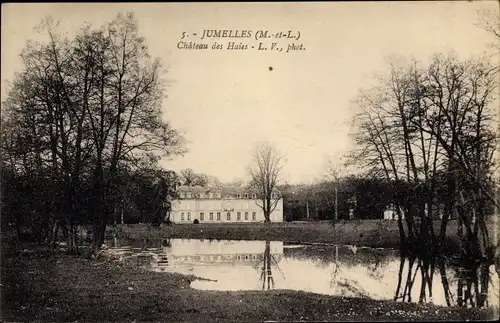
[[391, 214]]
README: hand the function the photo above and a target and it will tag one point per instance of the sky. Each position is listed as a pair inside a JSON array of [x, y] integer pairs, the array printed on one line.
[[226, 101]]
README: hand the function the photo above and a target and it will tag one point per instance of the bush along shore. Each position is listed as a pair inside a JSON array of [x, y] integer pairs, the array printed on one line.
[[52, 286]]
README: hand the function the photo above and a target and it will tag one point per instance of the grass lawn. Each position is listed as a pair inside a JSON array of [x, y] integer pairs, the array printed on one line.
[[55, 287], [370, 233]]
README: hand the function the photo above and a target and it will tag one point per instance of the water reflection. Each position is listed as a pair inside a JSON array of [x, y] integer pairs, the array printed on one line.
[[458, 282], [473, 285], [330, 270], [452, 283], [267, 262]]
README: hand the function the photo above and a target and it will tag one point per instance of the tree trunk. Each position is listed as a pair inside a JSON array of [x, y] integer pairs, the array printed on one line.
[[400, 276], [267, 215], [267, 275], [444, 281], [70, 238], [55, 232]]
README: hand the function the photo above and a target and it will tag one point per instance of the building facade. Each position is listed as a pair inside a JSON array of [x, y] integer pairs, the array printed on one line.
[[209, 205]]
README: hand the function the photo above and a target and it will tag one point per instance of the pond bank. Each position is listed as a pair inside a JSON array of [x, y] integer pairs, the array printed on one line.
[[369, 233], [53, 287]]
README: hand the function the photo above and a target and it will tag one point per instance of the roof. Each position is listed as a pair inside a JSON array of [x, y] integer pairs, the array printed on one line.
[[228, 191], [195, 189]]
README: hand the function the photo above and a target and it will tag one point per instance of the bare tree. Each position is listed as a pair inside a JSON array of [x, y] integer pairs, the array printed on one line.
[[214, 182], [190, 178], [489, 20], [431, 128], [264, 172], [88, 107], [335, 172]]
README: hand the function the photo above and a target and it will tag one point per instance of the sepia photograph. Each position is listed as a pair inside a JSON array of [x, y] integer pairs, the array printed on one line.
[[250, 161]]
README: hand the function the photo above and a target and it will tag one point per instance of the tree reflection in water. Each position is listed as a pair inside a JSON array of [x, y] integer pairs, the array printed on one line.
[[347, 287], [375, 270], [472, 285], [472, 280], [424, 267], [267, 261], [335, 270]]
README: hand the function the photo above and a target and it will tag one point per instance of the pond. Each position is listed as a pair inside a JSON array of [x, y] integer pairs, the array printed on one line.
[[381, 274]]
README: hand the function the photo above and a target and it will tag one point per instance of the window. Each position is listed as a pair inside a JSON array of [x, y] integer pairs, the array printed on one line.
[[238, 216], [182, 216], [202, 216], [218, 216], [254, 216], [254, 196], [238, 195], [211, 216], [181, 195], [245, 195], [188, 195], [246, 216], [229, 216], [189, 216]]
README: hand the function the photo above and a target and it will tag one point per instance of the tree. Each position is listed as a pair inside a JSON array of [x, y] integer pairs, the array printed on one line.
[[264, 172], [334, 174], [149, 191], [86, 109], [429, 132], [130, 92], [190, 178], [489, 20], [214, 182]]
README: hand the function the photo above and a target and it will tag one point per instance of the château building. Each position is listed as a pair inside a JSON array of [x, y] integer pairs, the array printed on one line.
[[213, 205]]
